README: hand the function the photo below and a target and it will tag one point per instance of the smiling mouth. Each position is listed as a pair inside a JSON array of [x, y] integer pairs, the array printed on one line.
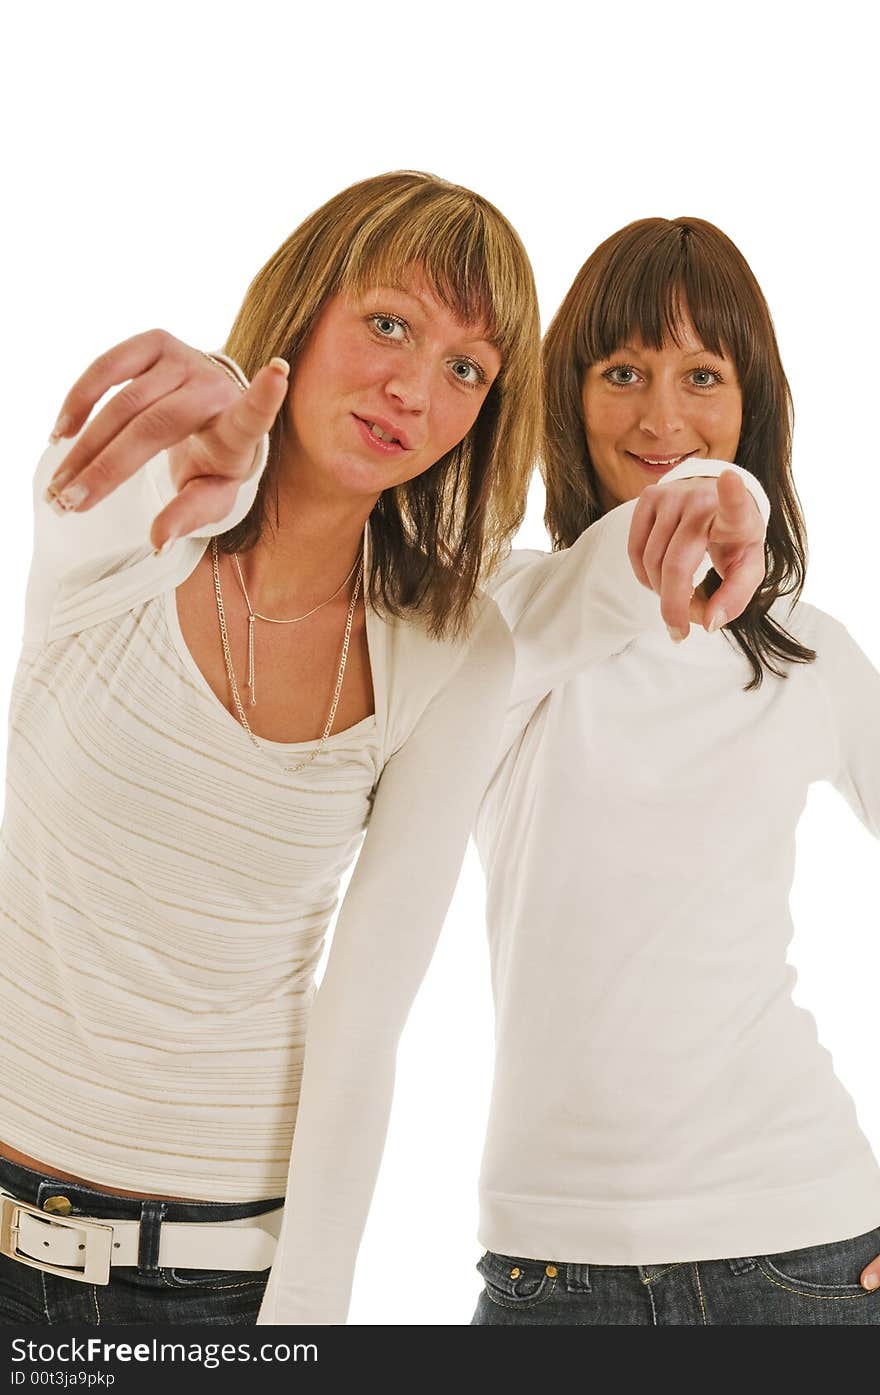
[[661, 462]]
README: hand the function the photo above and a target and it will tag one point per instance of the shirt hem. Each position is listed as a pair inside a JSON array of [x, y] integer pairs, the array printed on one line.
[[686, 1229]]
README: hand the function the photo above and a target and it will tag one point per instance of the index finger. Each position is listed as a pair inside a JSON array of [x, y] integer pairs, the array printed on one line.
[[742, 579], [117, 365]]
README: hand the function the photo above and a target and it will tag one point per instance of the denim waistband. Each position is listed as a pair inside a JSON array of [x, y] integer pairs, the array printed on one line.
[[35, 1187], [577, 1277]]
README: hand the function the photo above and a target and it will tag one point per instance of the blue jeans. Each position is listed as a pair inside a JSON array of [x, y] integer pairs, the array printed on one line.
[[148, 1293], [814, 1287]]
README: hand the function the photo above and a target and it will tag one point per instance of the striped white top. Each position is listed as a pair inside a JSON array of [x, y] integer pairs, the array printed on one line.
[[165, 888]]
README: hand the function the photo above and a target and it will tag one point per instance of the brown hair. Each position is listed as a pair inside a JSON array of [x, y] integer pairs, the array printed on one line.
[[643, 281], [432, 537]]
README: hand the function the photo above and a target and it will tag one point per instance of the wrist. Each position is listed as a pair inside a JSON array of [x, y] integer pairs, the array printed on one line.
[[697, 467], [229, 366]]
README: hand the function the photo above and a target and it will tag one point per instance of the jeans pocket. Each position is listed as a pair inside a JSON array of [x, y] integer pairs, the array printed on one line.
[[824, 1271], [516, 1283]]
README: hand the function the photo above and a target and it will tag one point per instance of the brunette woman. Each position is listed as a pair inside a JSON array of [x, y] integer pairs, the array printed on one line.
[[668, 1142]]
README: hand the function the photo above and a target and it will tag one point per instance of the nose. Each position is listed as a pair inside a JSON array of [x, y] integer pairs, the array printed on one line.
[[410, 385], [662, 414]]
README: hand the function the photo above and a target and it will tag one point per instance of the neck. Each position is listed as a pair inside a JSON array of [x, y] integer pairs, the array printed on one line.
[[301, 559]]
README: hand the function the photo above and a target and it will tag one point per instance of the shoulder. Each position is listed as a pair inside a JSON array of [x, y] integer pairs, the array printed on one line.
[[475, 666], [417, 657], [832, 640]]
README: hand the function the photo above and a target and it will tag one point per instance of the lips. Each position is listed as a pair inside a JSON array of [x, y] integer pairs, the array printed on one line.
[[661, 463], [383, 431]]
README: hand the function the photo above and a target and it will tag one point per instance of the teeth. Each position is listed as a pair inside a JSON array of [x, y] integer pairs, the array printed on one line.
[[673, 460], [382, 435]]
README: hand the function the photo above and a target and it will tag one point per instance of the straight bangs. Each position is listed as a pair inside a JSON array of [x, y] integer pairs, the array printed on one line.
[[657, 279], [467, 252]]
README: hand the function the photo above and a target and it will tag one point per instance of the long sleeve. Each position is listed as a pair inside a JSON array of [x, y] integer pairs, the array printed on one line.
[[573, 608], [385, 936], [852, 687], [70, 550]]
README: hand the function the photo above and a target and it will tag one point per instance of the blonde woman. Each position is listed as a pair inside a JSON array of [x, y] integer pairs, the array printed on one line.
[[187, 780], [178, 821]]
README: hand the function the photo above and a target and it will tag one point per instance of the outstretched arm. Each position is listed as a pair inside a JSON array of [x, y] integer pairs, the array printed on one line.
[[384, 938], [574, 608]]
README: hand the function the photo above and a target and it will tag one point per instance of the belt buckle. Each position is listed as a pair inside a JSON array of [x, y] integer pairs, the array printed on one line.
[[98, 1247]]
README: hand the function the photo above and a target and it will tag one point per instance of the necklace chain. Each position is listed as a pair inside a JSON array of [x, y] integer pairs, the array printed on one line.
[[271, 620], [294, 619], [252, 615]]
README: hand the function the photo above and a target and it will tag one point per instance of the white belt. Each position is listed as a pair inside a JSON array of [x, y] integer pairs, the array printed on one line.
[[84, 1248]]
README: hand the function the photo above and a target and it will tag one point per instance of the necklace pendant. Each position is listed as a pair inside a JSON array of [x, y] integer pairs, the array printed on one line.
[[251, 676]]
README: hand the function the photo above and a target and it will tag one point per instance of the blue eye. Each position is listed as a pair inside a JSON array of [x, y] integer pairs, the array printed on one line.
[[385, 325], [620, 368], [463, 367], [705, 373]]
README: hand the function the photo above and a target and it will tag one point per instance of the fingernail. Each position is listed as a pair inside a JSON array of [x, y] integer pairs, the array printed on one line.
[[281, 364], [718, 619], [160, 551], [57, 482], [675, 635], [61, 427], [73, 496], [871, 1281]]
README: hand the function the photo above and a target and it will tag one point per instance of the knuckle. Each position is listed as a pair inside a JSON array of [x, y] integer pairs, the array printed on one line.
[[101, 472], [677, 568], [158, 424], [244, 418], [131, 398]]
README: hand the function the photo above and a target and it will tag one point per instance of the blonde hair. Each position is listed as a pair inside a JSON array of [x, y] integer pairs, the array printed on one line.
[[433, 537]]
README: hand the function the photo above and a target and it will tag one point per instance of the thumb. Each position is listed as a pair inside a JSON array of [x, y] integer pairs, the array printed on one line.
[[735, 502]]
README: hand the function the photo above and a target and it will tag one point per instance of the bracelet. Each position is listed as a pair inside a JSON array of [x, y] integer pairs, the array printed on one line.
[[218, 363]]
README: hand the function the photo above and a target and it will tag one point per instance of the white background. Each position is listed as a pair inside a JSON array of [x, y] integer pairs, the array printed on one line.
[[157, 154]]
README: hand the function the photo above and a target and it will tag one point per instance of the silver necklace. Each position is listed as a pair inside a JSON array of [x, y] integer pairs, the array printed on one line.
[[252, 615]]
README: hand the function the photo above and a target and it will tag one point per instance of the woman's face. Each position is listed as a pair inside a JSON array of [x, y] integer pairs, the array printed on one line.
[[387, 383], [645, 410]]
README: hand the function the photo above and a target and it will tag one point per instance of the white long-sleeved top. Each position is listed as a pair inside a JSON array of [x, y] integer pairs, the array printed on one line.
[[165, 887], [658, 1096]]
